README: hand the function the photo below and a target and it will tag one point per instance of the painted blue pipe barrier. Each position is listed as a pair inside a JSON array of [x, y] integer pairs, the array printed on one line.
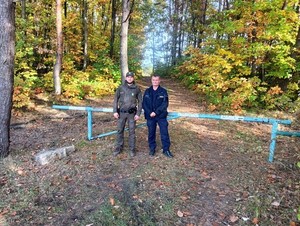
[[173, 115]]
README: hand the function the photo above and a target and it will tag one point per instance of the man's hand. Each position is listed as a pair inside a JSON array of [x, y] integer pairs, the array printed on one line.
[[152, 115], [136, 117], [116, 115]]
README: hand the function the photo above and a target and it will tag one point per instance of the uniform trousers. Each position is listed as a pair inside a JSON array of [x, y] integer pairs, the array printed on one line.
[[124, 117], [164, 133]]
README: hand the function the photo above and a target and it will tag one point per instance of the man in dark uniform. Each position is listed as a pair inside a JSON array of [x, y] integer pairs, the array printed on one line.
[[127, 106], [155, 104]]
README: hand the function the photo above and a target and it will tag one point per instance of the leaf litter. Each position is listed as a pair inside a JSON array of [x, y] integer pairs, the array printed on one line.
[[219, 175]]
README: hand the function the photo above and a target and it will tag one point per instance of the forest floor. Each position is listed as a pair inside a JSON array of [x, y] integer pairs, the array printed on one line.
[[219, 174]]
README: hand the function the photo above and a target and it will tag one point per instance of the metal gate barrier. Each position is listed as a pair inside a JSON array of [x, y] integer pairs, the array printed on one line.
[[172, 115]]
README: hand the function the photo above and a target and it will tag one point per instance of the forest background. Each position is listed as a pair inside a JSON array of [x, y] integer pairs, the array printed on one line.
[[238, 55], [235, 55]]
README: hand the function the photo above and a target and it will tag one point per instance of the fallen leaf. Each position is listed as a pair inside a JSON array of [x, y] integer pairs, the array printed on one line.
[[112, 201], [179, 213], [159, 183], [255, 220], [191, 178], [91, 167], [112, 185], [184, 198], [4, 211], [275, 203], [233, 218], [20, 172], [186, 213], [94, 156], [205, 175]]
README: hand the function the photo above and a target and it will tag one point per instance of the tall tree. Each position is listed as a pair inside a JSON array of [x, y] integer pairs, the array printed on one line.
[[113, 27], [59, 51], [126, 7], [85, 34], [23, 3], [7, 54]]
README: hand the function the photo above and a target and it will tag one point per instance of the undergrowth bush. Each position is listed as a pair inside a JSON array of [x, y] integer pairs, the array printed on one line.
[[24, 86], [76, 84], [226, 83]]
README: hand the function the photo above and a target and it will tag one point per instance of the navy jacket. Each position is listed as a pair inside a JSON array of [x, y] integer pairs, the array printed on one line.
[[156, 101]]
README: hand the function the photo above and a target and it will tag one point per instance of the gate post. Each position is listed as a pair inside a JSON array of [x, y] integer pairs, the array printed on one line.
[[90, 123], [273, 141]]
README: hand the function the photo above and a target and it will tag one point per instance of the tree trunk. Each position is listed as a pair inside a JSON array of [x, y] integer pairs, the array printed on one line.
[[23, 5], [296, 52], [113, 28], [66, 8], [7, 54], [124, 38], [59, 51], [85, 34]]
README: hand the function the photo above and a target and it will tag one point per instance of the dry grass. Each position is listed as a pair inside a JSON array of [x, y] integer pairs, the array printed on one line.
[[219, 175], [219, 171]]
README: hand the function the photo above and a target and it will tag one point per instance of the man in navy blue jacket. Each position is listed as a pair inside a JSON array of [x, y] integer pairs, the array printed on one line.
[[155, 104]]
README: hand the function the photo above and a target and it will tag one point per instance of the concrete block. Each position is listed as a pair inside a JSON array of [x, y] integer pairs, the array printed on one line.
[[46, 156]]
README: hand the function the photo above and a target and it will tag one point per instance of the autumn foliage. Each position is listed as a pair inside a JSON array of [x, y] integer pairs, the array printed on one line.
[[247, 59], [36, 48]]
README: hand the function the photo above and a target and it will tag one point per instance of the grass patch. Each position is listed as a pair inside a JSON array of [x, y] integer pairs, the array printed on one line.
[[219, 170]]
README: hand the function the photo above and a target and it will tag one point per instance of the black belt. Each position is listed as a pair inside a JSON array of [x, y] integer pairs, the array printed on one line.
[[130, 111], [122, 111]]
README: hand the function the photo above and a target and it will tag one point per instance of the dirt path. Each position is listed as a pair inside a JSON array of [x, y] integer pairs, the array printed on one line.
[[219, 175]]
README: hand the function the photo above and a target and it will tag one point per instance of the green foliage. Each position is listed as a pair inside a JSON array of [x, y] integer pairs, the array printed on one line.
[[225, 80], [107, 68], [36, 48], [247, 58], [26, 79], [222, 78], [80, 86], [276, 98]]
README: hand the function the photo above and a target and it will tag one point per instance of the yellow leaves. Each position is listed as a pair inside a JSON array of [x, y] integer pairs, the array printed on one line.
[[275, 90]]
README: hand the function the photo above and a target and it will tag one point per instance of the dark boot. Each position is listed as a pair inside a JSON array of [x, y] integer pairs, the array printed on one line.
[[117, 151], [152, 152], [168, 154], [132, 153]]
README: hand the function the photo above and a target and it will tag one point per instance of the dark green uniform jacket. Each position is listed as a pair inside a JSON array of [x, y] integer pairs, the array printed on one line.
[[127, 97]]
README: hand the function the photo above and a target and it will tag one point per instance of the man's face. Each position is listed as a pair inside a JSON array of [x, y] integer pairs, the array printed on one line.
[[130, 79], [155, 81]]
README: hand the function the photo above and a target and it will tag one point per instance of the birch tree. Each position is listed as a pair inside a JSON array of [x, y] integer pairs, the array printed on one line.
[[126, 7], [59, 50]]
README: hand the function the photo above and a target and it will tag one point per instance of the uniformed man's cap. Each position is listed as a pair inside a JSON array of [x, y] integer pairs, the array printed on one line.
[[129, 73]]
